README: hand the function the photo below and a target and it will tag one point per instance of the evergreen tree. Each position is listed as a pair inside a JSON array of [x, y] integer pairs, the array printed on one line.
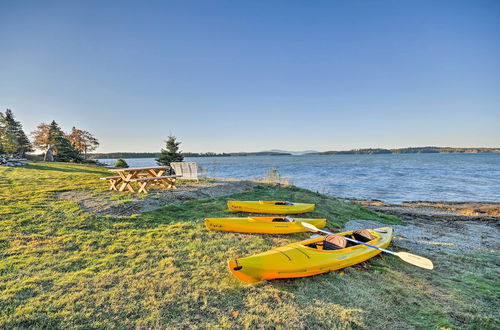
[[65, 151], [171, 154], [8, 138], [54, 134], [12, 137], [24, 143]]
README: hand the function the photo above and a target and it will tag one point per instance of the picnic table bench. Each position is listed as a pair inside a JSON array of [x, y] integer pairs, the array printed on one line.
[[144, 176], [113, 181]]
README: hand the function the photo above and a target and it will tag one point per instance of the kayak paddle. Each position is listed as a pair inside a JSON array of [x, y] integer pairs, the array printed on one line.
[[405, 256]]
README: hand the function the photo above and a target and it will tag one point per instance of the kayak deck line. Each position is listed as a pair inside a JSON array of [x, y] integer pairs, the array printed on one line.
[[298, 249], [262, 225], [270, 207]]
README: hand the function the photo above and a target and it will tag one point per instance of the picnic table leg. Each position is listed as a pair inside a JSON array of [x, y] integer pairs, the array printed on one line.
[[130, 188], [170, 183], [160, 182], [153, 173], [143, 187], [126, 181], [114, 184]]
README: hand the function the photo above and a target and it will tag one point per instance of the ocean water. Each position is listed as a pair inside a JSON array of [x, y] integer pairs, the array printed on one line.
[[390, 178]]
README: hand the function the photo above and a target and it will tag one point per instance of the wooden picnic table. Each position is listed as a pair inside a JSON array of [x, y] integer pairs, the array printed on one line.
[[144, 176]]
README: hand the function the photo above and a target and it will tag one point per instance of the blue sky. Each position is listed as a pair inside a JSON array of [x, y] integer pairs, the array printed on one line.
[[256, 75]]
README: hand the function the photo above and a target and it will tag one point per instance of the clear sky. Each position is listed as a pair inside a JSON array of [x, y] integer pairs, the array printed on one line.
[[256, 75]]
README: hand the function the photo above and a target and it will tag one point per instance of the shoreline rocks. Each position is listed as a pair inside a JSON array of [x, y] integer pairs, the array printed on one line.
[[12, 162]]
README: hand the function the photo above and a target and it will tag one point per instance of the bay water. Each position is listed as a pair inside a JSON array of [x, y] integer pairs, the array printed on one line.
[[391, 178]]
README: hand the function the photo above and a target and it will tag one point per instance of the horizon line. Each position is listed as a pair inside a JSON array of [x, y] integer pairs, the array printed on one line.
[[292, 151]]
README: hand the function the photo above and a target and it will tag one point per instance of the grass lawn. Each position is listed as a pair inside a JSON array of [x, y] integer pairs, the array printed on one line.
[[62, 267]]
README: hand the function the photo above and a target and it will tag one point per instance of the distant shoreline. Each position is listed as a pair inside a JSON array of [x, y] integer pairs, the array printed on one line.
[[370, 151]]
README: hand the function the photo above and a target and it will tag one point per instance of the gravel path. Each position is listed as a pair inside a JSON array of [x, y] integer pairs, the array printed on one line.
[[104, 204]]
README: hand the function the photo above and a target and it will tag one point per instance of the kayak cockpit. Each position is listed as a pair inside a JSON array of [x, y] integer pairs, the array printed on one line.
[[276, 202], [283, 219], [272, 219], [338, 242]]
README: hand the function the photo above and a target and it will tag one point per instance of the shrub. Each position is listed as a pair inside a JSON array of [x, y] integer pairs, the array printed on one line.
[[121, 163]]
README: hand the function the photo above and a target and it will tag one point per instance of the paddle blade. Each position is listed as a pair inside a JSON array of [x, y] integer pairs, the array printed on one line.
[[309, 226], [415, 260]]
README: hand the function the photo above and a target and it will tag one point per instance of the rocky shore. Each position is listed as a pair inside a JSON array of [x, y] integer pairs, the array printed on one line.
[[485, 211], [436, 227]]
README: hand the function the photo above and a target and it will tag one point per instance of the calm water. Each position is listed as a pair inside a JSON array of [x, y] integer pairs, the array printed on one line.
[[391, 178]]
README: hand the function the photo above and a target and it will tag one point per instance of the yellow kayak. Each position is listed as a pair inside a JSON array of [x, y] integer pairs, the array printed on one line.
[[271, 207], [262, 225], [307, 258]]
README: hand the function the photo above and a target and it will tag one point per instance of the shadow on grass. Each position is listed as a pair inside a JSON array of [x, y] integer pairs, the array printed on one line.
[[336, 212], [62, 168], [182, 212]]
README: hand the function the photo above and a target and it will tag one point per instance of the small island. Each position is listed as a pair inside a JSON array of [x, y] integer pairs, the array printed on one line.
[[411, 150]]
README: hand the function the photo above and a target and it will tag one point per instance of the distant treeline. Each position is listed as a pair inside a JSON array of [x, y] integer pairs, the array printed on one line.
[[371, 151], [412, 150], [113, 155]]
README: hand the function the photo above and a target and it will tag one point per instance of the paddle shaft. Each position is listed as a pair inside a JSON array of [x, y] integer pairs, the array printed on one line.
[[366, 244], [405, 256]]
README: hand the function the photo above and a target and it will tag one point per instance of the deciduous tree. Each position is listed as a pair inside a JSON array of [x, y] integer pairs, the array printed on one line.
[[83, 140], [46, 135]]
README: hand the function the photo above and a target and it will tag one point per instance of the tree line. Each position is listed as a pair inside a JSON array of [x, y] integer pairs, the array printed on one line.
[[410, 150], [50, 138], [62, 146]]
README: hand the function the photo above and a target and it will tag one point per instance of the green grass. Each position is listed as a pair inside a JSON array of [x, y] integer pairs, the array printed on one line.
[[62, 267]]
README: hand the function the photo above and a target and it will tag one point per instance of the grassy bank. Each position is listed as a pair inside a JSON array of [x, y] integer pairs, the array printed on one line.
[[64, 267]]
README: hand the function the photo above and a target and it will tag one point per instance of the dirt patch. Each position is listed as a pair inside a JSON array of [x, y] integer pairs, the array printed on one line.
[[111, 203]]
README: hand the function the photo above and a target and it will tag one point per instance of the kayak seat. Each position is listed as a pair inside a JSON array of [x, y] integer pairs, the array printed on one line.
[[362, 235], [334, 242], [283, 203]]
